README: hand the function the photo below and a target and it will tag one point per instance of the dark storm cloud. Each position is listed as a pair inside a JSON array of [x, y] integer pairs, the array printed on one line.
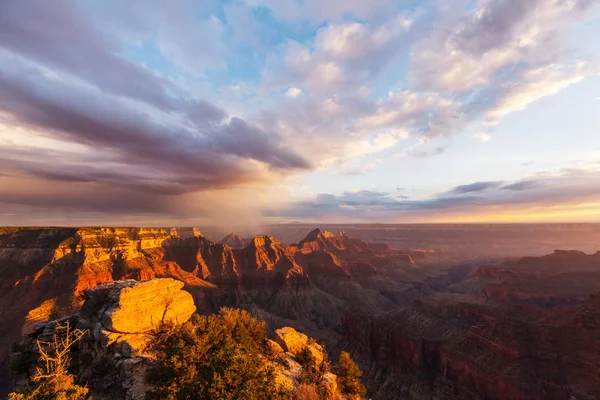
[[124, 140], [80, 197], [93, 119], [474, 187], [62, 75]]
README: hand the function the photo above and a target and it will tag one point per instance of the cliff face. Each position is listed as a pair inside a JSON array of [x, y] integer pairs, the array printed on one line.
[[46, 271], [468, 344]]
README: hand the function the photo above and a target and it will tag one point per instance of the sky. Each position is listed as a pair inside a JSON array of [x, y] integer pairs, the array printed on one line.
[[243, 112]]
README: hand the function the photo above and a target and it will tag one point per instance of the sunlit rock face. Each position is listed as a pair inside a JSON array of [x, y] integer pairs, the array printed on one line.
[[134, 307], [46, 271], [294, 342]]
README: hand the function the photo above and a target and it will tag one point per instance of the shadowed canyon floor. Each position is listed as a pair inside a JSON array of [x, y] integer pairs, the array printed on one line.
[[424, 323]]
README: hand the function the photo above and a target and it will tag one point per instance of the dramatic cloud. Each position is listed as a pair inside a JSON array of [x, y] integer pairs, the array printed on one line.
[[196, 140], [342, 56], [160, 111]]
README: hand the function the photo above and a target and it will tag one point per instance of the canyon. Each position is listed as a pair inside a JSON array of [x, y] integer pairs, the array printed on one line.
[[423, 323]]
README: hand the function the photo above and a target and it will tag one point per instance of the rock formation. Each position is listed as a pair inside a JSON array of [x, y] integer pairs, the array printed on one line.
[[121, 321], [292, 341]]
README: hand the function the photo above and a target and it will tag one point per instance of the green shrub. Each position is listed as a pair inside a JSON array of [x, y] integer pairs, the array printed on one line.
[[215, 357]]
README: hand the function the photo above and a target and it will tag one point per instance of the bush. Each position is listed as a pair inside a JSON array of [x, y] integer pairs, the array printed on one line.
[[349, 376], [215, 357]]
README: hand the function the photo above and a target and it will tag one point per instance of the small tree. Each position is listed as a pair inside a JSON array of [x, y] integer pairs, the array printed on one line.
[[51, 378], [349, 376]]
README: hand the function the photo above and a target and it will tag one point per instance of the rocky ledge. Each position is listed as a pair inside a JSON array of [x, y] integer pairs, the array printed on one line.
[[122, 319]]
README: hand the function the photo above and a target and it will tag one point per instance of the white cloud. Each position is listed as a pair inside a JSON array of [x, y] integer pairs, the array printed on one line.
[[194, 46], [353, 40], [473, 49], [534, 85], [293, 92], [432, 113], [342, 55]]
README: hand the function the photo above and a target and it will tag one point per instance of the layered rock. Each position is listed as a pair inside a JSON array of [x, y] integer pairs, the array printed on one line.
[[184, 232], [469, 344], [561, 278]]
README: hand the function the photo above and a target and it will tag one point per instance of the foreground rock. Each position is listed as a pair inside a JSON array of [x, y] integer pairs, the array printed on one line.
[[127, 312], [122, 320]]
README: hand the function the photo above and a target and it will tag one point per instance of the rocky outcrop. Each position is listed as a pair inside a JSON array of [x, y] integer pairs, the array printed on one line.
[[127, 312], [184, 232], [294, 342], [121, 321]]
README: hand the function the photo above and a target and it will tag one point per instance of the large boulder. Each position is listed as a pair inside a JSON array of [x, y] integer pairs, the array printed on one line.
[[138, 307], [126, 312], [290, 339]]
